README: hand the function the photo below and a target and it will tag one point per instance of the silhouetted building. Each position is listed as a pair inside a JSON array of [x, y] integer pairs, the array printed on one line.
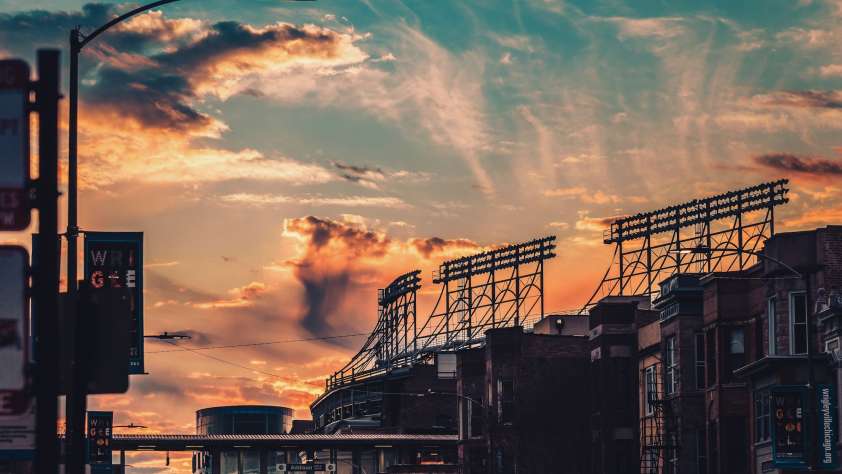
[[682, 349], [521, 400], [240, 419], [614, 416], [795, 358]]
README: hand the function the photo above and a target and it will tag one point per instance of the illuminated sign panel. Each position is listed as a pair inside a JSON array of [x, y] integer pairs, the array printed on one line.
[[14, 145], [115, 260], [789, 439], [100, 424]]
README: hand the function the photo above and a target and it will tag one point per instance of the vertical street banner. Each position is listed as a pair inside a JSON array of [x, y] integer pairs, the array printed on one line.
[[14, 145], [789, 439], [115, 260], [827, 427], [17, 415], [100, 424]]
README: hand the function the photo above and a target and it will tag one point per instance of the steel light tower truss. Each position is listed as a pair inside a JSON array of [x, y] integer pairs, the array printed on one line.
[[499, 288], [651, 246]]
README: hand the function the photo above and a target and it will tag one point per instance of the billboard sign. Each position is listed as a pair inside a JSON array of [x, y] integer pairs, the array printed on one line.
[[14, 145], [17, 408], [789, 439], [115, 260], [14, 337], [100, 424], [827, 427]]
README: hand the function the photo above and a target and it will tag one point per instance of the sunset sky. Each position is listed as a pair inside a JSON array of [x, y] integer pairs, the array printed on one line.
[[285, 160]]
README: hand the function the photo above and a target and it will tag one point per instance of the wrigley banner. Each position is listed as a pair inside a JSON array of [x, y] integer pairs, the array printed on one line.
[[827, 426]]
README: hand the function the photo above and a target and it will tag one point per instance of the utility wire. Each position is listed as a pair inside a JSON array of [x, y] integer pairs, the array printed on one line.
[[252, 344], [251, 369], [323, 338]]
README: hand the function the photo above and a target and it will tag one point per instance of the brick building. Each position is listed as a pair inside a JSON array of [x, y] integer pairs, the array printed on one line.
[[614, 415], [796, 351], [674, 388], [522, 400]]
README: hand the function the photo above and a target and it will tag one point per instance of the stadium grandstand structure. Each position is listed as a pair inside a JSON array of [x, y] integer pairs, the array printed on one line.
[[499, 288], [504, 287]]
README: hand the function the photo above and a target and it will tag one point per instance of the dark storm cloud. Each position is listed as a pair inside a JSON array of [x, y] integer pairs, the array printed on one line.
[[327, 267], [323, 296], [24, 32], [229, 37], [364, 175], [434, 245], [157, 86], [799, 164], [322, 232], [357, 170], [810, 99], [155, 100]]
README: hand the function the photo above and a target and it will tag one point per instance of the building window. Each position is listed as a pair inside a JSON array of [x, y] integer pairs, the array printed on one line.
[[762, 416], [672, 450], [476, 419], [650, 390], [700, 361], [831, 346], [736, 349], [798, 323], [505, 400], [671, 365], [771, 318], [710, 352]]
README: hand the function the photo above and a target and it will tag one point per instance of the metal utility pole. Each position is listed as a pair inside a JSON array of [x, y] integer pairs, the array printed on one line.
[[46, 274], [76, 402]]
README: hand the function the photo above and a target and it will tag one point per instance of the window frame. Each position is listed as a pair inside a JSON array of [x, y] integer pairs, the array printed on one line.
[[772, 322], [701, 363], [762, 416], [670, 366], [793, 323], [649, 403], [505, 407]]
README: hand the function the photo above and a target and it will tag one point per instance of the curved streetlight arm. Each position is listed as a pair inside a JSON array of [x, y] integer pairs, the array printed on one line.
[[775, 260], [88, 38], [708, 251]]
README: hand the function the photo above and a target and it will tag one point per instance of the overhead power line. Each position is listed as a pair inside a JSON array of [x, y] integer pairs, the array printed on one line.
[[252, 344], [234, 364]]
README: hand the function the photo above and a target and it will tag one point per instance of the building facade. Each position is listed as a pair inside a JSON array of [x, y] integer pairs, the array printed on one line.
[[510, 411]]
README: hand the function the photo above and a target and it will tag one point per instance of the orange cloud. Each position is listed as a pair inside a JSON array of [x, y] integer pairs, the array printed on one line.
[[816, 218]]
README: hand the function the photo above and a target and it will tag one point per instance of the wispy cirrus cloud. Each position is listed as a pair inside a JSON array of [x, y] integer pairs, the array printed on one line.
[[593, 196], [309, 200]]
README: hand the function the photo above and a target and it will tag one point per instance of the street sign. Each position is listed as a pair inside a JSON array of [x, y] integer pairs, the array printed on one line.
[[312, 467], [827, 426], [14, 144], [14, 337], [115, 260], [100, 424]]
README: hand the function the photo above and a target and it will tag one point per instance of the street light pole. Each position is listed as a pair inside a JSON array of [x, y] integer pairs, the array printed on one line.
[[76, 401]]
